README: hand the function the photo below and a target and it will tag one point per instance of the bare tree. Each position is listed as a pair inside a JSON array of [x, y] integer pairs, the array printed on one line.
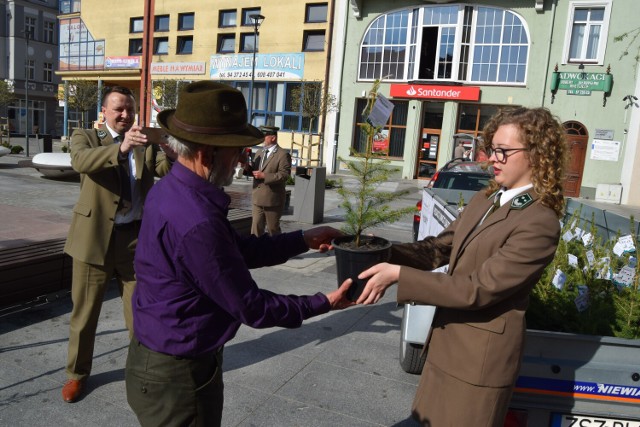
[[310, 99], [83, 96], [313, 102], [166, 92]]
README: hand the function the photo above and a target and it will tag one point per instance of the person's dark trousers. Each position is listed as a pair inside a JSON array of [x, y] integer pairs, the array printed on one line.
[[173, 391]]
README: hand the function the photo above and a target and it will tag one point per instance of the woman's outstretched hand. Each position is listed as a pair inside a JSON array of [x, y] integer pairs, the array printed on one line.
[[381, 276]]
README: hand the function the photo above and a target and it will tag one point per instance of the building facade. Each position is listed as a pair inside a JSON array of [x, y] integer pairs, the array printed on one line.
[[28, 59], [447, 67], [197, 40]]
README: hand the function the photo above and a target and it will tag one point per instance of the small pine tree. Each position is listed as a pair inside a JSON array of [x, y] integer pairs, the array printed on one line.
[[364, 205]]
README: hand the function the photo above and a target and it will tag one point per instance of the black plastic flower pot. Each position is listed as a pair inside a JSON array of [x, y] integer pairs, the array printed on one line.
[[351, 260]]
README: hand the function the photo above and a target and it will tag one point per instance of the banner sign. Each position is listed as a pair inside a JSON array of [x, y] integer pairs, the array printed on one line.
[[268, 66], [455, 93], [579, 82], [122, 62]]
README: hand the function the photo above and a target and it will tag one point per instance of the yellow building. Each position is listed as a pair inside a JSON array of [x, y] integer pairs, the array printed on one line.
[[199, 40]]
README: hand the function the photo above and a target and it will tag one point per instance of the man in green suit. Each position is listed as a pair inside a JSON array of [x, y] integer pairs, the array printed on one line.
[[117, 166]]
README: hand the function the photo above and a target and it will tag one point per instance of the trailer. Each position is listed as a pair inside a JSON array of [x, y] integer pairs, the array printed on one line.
[[566, 380]]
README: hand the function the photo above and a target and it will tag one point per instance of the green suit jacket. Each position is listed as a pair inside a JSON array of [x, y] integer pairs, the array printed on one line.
[[271, 191], [95, 156]]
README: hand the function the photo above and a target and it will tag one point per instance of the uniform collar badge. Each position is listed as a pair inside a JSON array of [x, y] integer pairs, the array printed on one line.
[[102, 134], [521, 201]]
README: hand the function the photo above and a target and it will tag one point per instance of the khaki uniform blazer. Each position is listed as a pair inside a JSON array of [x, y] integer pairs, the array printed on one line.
[[95, 156], [478, 331], [271, 190]]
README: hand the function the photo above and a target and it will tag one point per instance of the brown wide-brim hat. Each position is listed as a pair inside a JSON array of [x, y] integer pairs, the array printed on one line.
[[211, 113]]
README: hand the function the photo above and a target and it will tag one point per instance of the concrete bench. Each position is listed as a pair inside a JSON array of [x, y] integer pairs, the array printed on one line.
[[41, 271]]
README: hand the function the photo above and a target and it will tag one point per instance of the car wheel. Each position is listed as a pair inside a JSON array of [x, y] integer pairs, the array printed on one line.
[[411, 357]]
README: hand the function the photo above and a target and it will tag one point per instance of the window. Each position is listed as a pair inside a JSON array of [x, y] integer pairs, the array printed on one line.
[[185, 45], [30, 69], [186, 21], [316, 12], [248, 42], [226, 43], [49, 32], [501, 47], [228, 18], [30, 27], [273, 106], [394, 131], [587, 33], [246, 16], [47, 74], [435, 43], [161, 23], [313, 41], [135, 47], [160, 45], [136, 25]]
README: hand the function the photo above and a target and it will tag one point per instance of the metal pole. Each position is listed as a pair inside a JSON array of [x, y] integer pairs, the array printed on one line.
[[257, 20], [65, 131], [253, 71], [26, 92]]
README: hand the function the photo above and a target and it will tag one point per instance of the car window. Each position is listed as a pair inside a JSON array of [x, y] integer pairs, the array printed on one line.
[[461, 182]]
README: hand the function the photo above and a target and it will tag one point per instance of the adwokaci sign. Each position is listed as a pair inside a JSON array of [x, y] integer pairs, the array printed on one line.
[[457, 93], [583, 81]]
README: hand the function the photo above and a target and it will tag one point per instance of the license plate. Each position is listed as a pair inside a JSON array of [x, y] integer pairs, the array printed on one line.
[[568, 420]]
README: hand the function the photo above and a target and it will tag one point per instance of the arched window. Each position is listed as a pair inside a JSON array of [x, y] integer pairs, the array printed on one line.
[[449, 43]]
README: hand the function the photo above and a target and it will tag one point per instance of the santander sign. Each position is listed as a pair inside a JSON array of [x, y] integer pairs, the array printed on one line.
[[457, 93]]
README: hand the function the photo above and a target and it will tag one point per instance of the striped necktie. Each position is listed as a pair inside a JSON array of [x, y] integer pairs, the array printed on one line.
[[494, 207], [496, 204]]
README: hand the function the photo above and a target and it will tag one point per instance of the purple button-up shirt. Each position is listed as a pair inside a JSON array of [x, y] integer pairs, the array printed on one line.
[[193, 287]]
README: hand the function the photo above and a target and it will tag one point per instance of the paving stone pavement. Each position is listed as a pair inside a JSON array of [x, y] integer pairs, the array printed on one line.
[[339, 369]]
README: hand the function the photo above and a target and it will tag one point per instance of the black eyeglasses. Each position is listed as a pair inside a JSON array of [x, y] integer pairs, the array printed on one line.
[[501, 153]]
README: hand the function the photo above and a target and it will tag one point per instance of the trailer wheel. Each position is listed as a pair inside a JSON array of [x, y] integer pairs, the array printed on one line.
[[411, 357]]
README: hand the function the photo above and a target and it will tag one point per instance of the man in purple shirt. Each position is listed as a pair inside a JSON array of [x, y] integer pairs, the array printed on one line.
[[194, 288]]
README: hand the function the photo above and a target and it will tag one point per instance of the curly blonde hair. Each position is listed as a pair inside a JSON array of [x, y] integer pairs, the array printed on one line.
[[544, 137]]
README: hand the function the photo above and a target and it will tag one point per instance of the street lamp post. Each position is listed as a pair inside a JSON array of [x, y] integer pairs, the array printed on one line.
[[27, 34], [257, 20]]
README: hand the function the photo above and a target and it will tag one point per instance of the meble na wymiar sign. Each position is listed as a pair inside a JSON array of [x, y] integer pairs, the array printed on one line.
[[269, 66]]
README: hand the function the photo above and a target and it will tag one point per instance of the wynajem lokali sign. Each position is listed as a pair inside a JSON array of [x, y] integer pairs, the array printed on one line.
[[269, 66]]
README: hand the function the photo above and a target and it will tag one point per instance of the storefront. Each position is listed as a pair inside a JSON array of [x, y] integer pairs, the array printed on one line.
[[448, 68]]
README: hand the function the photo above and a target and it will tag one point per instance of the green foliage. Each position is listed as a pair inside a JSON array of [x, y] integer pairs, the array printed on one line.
[[7, 95], [16, 149], [64, 148], [364, 204], [290, 180], [631, 37], [83, 96], [330, 183], [613, 310]]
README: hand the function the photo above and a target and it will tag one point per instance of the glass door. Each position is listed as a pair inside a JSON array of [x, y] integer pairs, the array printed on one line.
[[429, 143]]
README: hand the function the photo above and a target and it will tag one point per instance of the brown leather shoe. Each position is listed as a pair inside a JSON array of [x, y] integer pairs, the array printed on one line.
[[72, 390]]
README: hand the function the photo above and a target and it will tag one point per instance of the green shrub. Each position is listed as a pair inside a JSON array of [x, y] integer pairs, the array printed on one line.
[[16, 149], [612, 309]]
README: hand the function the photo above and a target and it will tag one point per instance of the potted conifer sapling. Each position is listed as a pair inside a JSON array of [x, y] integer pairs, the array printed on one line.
[[365, 207]]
